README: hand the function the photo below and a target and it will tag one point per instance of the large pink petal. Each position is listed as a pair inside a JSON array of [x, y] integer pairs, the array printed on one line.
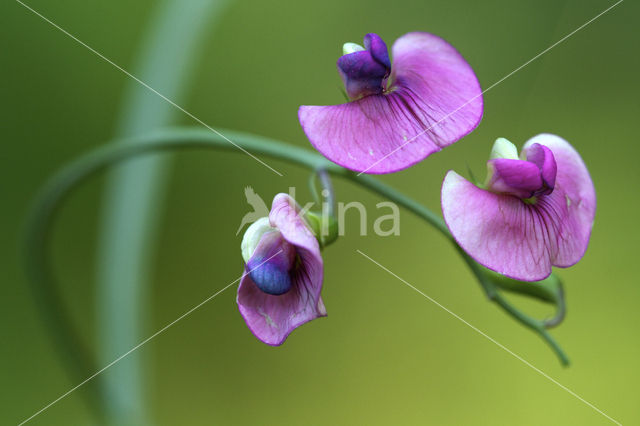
[[518, 239], [434, 100], [272, 318], [285, 216]]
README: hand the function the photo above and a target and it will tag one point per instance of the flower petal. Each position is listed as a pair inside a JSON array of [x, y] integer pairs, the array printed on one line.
[[518, 239], [516, 177], [378, 48], [433, 101], [272, 318], [361, 74], [498, 231], [574, 183], [543, 157], [286, 216], [270, 264]]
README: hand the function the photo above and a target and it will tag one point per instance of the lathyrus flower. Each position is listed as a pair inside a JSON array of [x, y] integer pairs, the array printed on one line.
[[280, 288], [531, 214], [400, 112]]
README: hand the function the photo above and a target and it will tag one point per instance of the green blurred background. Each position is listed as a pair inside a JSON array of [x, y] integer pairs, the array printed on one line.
[[385, 355]]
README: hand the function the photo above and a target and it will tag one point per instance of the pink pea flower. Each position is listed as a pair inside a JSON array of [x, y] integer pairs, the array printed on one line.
[[280, 288], [400, 112], [532, 213]]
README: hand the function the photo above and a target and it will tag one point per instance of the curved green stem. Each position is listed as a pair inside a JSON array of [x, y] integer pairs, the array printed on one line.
[[484, 276], [328, 196], [548, 290], [135, 193], [48, 202], [536, 325], [71, 347]]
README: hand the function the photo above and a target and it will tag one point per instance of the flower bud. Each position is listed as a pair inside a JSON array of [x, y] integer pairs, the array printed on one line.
[[364, 70], [252, 237], [502, 148]]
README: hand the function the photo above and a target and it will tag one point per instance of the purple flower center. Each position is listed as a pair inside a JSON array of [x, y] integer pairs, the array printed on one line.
[[271, 278], [271, 265], [365, 72], [525, 179]]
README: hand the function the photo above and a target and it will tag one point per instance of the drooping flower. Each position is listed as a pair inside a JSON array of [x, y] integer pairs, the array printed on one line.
[[280, 288], [531, 214], [400, 112]]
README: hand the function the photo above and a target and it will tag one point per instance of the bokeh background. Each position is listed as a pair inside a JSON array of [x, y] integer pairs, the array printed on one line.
[[385, 355]]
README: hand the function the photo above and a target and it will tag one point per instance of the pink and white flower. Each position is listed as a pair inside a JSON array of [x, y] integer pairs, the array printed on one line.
[[400, 112], [280, 288], [531, 214]]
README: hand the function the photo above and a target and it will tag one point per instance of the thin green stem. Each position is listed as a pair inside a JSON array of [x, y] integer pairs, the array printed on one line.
[[61, 185], [548, 290], [71, 347], [492, 293], [328, 196], [133, 198], [312, 188], [481, 273]]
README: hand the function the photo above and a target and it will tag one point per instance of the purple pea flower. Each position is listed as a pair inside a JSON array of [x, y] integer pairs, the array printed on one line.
[[400, 112], [280, 288], [532, 213]]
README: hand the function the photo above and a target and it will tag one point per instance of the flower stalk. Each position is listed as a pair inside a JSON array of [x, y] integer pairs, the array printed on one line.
[[61, 185], [134, 193], [324, 223]]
